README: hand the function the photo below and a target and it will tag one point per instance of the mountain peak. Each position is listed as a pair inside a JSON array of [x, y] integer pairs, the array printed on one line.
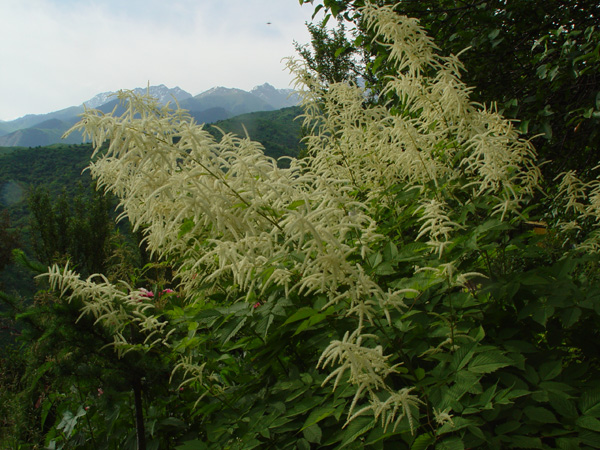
[[163, 93], [264, 87], [214, 104], [279, 98]]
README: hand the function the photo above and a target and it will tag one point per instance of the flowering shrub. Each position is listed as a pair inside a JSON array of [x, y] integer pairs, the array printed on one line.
[[379, 290]]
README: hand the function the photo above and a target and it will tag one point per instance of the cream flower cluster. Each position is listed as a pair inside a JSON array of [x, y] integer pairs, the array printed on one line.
[[223, 213]]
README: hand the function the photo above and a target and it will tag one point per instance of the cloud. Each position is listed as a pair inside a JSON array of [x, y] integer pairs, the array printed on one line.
[[58, 53]]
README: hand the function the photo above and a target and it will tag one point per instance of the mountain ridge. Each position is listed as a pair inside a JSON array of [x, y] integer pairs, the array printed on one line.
[[217, 103]]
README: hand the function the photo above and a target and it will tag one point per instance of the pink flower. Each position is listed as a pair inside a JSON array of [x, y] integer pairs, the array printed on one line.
[[256, 305], [100, 392], [146, 293], [166, 291]]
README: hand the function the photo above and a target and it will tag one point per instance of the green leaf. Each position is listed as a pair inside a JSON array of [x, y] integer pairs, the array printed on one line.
[[541, 315], [570, 316], [69, 421], [302, 444], [590, 423], [453, 443], [493, 34], [550, 370], [302, 313], [589, 403], [305, 405], [507, 427], [422, 442], [356, 428], [314, 319], [518, 441], [185, 227], [173, 422], [313, 434], [563, 406], [295, 204], [231, 329], [539, 414], [590, 438], [568, 443], [319, 414], [461, 357], [196, 444], [489, 362]]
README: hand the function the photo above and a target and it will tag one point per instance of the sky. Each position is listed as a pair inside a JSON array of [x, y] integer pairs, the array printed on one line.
[[60, 53]]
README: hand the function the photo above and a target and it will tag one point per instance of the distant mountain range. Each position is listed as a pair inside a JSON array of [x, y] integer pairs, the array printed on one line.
[[218, 103]]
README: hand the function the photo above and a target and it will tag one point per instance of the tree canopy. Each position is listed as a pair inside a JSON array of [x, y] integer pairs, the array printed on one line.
[[537, 60]]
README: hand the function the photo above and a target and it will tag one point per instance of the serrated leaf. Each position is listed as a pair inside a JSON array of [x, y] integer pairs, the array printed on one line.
[[589, 403], [517, 441], [568, 443], [231, 329], [488, 362], [550, 370], [507, 427], [476, 431], [458, 423], [356, 428], [422, 442], [589, 423], [563, 406], [318, 414], [304, 405], [313, 320], [453, 443], [540, 414], [461, 357], [590, 438]]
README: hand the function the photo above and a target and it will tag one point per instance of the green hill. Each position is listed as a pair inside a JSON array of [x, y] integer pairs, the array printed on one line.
[[59, 168], [279, 131]]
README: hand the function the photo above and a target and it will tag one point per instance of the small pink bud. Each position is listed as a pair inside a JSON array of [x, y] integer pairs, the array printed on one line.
[[100, 392], [256, 305]]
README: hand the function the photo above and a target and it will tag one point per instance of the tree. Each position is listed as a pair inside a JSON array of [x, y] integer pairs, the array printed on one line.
[[332, 56], [9, 240], [75, 227], [544, 57]]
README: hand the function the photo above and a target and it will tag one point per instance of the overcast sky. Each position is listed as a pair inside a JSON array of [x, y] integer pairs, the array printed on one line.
[[60, 53]]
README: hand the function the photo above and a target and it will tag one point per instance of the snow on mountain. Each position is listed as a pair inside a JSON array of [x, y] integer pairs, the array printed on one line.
[[278, 98], [209, 106], [161, 92]]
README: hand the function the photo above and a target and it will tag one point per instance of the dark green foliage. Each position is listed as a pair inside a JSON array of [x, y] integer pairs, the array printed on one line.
[[332, 54], [278, 131], [56, 168], [9, 239], [76, 228], [537, 60]]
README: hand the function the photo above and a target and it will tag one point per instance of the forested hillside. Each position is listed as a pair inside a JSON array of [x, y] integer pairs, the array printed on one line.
[[59, 169]]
